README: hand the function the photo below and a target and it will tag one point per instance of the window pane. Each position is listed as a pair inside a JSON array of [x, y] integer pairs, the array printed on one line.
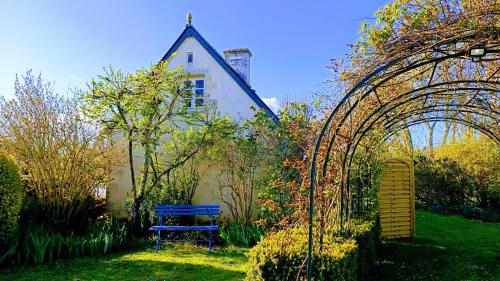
[[200, 83], [187, 101], [190, 57], [199, 92], [199, 102]]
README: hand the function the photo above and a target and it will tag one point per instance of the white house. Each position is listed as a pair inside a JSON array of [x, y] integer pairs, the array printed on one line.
[[223, 81]]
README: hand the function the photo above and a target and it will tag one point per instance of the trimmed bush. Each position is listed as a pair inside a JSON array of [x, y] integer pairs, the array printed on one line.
[[282, 256], [11, 191]]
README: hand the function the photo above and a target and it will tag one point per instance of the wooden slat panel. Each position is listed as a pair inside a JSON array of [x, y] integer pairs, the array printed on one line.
[[388, 192], [395, 199], [394, 209], [391, 200], [398, 230], [397, 225], [394, 204], [397, 171], [396, 176], [390, 166], [392, 181], [389, 216], [393, 218], [401, 203], [397, 184]]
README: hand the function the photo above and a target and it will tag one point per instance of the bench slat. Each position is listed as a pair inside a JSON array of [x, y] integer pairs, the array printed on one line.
[[187, 210], [175, 212], [183, 228], [187, 206]]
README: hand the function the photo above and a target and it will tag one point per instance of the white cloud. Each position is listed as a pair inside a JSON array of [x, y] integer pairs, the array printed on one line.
[[273, 103]]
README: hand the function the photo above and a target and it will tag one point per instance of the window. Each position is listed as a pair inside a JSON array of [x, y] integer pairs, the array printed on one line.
[[199, 92], [189, 57], [196, 97], [189, 88]]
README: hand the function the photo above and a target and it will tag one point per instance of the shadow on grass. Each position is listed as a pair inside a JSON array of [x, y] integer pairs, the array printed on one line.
[[170, 264], [410, 259]]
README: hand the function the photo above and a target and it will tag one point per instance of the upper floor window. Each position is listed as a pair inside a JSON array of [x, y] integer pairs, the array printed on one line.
[[199, 92], [196, 88], [189, 57]]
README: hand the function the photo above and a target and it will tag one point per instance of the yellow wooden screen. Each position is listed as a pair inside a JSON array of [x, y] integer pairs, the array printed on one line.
[[396, 198]]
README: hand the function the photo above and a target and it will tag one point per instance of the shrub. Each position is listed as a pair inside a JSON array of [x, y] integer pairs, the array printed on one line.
[[10, 198], [478, 155], [442, 182], [241, 235], [65, 158], [491, 196], [282, 256]]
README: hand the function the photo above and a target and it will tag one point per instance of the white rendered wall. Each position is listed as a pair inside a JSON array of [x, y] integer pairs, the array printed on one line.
[[229, 99]]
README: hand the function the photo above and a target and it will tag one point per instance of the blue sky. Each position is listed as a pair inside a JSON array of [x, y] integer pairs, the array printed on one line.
[[70, 42]]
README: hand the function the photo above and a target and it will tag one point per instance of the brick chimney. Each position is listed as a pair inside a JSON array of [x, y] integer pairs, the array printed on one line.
[[239, 60]]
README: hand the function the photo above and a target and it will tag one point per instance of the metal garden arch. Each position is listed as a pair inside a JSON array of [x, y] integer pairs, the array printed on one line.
[[468, 97]]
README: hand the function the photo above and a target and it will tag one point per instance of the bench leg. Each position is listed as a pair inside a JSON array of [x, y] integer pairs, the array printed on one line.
[[158, 241], [210, 241]]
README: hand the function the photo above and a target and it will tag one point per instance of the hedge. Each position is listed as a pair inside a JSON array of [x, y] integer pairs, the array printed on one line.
[[282, 256], [344, 257], [10, 198]]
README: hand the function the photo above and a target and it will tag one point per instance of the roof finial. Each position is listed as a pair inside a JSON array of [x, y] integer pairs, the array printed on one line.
[[189, 18]]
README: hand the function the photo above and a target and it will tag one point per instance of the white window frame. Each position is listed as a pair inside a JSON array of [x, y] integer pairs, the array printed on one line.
[[194, 97]]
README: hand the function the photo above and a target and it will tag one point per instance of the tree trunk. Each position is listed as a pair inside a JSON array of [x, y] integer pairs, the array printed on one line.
[[135, 217], [407, 139], [131, 163], [447, 126], [430, 131]]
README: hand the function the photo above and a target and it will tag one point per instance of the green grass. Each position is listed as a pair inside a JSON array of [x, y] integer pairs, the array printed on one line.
[[175, 262], [445, 248]]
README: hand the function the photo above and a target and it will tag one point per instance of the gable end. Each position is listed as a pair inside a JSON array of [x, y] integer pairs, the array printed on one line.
[[190, 31]]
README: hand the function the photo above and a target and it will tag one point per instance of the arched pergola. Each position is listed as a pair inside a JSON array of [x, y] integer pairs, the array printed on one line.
[[454, 79]]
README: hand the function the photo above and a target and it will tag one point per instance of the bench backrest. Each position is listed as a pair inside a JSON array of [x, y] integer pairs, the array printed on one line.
[[187, 210]]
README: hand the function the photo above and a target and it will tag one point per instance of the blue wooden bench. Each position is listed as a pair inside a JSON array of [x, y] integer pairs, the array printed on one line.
[[186, 210]]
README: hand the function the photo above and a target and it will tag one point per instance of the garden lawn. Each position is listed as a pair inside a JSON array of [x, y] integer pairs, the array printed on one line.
[[175, 262], [445, 248]]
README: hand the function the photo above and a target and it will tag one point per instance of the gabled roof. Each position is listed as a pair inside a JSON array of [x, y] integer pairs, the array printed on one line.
[[190, 31]]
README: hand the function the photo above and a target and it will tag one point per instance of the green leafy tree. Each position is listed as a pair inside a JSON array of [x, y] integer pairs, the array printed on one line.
[[149, 110], [478, 156]]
